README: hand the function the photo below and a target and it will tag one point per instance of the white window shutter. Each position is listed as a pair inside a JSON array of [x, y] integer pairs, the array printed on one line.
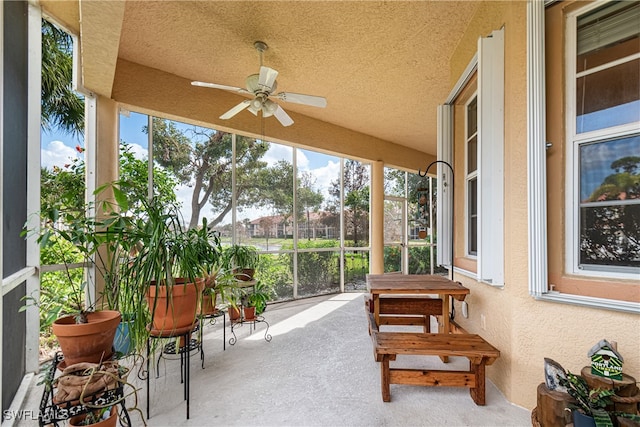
[[444, 185], [491, 158]]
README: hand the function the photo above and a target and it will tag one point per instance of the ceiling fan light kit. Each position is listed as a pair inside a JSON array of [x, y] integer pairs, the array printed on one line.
[[262, 86]]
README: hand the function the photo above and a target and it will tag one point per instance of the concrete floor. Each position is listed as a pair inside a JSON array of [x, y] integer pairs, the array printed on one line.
[[318, 370]]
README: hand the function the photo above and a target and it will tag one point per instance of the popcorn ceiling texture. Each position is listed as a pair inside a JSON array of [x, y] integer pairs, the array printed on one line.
[[383, 66]]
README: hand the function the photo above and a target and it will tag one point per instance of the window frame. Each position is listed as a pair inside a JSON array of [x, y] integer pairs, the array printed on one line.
[[574, 141], [470, 177], [537, 188]]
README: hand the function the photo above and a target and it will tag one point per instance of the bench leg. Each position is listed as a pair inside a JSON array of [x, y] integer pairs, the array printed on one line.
[[478, 392], [384, 378]]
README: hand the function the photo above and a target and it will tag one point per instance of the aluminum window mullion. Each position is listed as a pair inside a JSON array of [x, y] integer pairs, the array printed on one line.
[[536, 151], [295, 222], [608, 65]]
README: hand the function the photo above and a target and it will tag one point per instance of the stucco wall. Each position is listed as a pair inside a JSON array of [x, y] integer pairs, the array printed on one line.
[[523, 329]]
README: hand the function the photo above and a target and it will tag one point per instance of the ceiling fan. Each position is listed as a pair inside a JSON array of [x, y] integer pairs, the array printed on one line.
[[263, 86]]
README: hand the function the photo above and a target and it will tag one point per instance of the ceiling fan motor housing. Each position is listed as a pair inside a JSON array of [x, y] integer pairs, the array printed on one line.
[[254, 87]]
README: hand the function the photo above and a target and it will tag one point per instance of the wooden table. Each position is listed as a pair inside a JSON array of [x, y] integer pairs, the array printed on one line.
[[416, 284]]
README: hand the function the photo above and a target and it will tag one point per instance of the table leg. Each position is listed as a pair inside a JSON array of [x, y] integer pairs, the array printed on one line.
[[376, 308], [385, 378], [444, 327]]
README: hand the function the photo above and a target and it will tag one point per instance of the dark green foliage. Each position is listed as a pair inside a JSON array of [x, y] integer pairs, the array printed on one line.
[[356, 200], [589, 402], [61, 106]]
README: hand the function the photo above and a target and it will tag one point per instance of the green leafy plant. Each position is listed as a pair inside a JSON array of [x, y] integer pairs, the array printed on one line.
[[593, 402], [94, 417], [241, 256], [589, 402], [258, 297]]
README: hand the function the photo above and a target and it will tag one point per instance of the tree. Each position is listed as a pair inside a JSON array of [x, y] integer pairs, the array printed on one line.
[[356, 199], [278, 193], [624, 184], [63, 188], [61, 106], [134, 174], [308, 198], [205, 162], [610, 232]]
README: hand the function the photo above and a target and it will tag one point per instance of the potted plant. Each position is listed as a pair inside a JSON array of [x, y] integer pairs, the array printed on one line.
[[233, 298], [222, 289], [84, 334], [591, 404], [103, 417], [166, 266], [255, 300], [243, 259]]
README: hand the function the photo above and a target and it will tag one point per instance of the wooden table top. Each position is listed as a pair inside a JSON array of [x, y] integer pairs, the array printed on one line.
[[415, 284]]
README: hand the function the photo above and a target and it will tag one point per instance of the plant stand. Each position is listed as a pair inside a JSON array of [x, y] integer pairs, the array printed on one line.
[[252, 325], [184, 352], [51, 413], [212, 319], [242, 320]]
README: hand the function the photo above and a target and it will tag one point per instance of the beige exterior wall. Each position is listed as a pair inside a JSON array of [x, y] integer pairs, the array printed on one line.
[[523, 329]]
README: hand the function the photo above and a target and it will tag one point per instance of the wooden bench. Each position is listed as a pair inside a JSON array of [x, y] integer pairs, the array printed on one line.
[[387, 345], [408, 311]]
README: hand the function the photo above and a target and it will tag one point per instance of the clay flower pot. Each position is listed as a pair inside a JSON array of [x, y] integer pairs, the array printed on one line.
[[79, 420], [234, 314], [174, 307], [208, 305], [87, 342], [249, 313]]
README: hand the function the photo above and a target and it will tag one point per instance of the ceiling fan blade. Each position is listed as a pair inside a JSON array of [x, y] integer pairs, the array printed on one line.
[[298, 98], [283, 117], [235, 110], [267, 78], [223, 87]]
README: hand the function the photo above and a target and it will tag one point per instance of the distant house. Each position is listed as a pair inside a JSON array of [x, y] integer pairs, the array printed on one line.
[[269, 226], [311, 226]]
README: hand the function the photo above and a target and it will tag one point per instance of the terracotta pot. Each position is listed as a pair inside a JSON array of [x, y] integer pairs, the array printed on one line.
[[249, 313], [87, 342], [208, 304], [234, 314], [109, 422], [244, 274], [176, 309]]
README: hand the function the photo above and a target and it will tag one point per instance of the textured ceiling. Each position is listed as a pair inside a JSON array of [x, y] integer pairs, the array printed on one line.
[[383, 66]]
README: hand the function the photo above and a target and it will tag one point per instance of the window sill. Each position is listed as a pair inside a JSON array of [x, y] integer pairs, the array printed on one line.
[[599, 303]]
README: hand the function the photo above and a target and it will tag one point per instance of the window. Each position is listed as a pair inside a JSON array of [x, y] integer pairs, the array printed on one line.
[[475, 127], [471, 175], [604, 140]]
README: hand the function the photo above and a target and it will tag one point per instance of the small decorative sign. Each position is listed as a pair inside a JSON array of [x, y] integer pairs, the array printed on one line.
[[605, 360]]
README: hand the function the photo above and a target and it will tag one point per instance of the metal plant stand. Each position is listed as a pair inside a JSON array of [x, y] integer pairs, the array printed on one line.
[[212, 319], [53, 413], [252, 325]]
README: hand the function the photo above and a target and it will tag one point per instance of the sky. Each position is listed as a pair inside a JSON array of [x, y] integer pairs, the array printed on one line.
[[58, 148]]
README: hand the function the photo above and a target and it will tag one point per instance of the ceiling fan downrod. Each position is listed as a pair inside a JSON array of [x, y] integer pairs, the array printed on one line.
[[260, 47]]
